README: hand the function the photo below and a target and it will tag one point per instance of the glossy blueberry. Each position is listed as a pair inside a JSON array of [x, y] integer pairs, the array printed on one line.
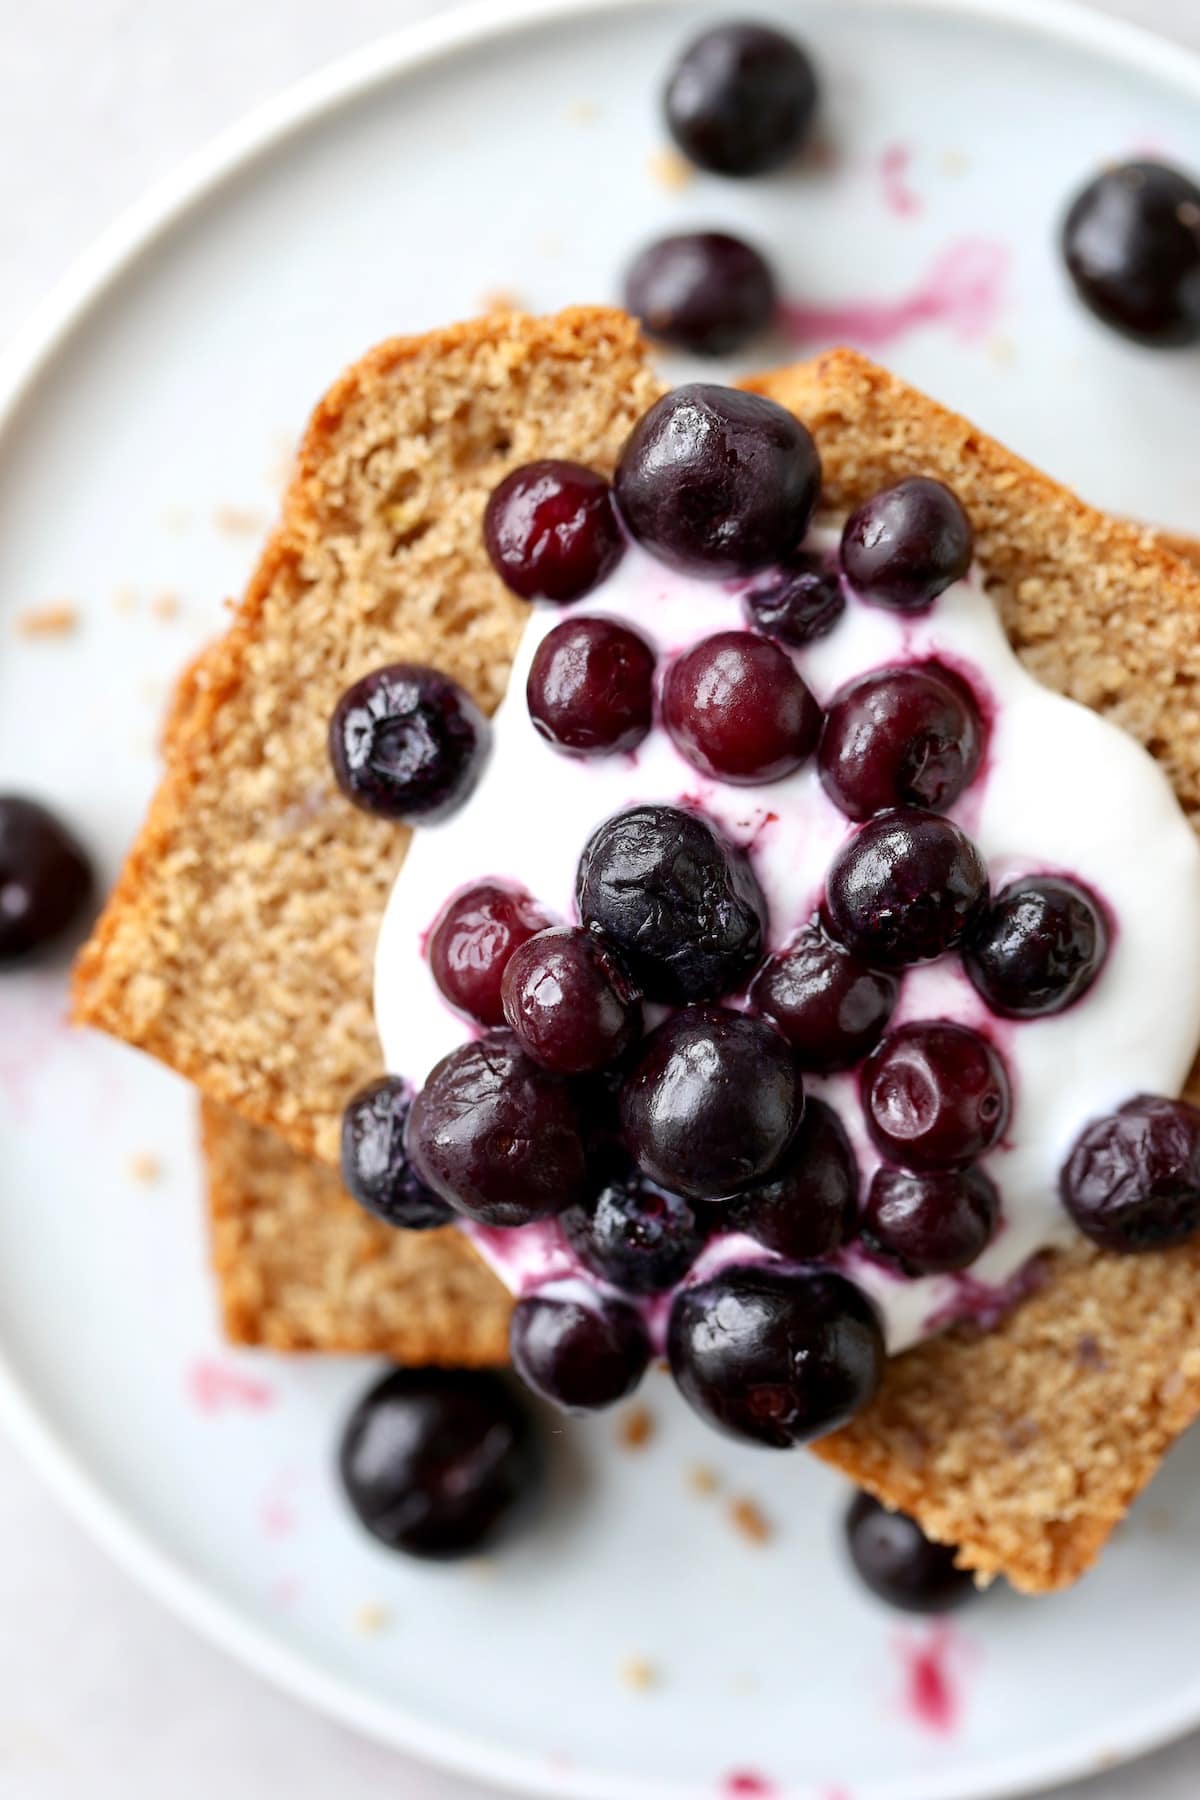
[[45, 879], [678, 903], [717, 482], [797, 602], [499, 1139], [909, 736], [775, 1355], [830, 1006], [931, 1223], [1131, 242], [438, 1463], [1132, 1181], [471, 942], [711, 1103], [704, 291], [550, 530], [904, 888], [809, 1207], [905, 545], [375, 1165], [936, 1095], [741, 99], [590, 689], [580, 1355], [636, 1235], [1037, 948], [569, 1003], [407, 743], [900, 1565], [735, 707]]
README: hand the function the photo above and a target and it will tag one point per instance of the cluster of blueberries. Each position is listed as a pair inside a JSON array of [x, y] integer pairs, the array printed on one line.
[[741, 101], [644, 1145]]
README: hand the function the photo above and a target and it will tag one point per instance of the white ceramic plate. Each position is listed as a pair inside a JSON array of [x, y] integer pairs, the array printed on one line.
[[510, 149]]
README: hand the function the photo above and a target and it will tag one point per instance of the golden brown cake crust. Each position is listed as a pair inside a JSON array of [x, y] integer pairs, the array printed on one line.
[[300, 1267], [238, 944]]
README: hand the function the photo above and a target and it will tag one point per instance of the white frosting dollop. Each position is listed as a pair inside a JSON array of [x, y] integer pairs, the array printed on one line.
[[1061, 791]]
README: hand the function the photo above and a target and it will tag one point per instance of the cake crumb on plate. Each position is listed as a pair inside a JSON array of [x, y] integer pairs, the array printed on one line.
[[59, 619], [639, 1674], [703, 1480], [635, 1428], [748, 1518], [670, 170], [145, 1167]]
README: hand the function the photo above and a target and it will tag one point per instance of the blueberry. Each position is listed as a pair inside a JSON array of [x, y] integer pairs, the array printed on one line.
[[45, 879], [1132, 1180], [899, 1564], [906, 545], [779, 1356], [590, 690], [702, 290], [680, 906], [471, 942], [550, 530], [376, 1169], [1131, 242], [809, 1207], [936, 1095], [736, 709], [1037, 948], [569, 1003], [932, 1223], [717, 482], [741, 99], [909, 736], [407, 743], [797, 602], [497, 1137], [636, 1235], [580, 1355], [904, 888], [830, 1006], [711, 1103]]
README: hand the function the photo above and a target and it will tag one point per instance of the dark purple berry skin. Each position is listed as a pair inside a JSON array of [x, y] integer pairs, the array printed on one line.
[[499, 1139], [636, 1235], [580, 1356], [45, 879], [717, 482], [904, 888], [741, 99], [830, 1006], [933, 1223], [1131, 243], [900, 737], [407, 743], [809, 1206], [590, 690], [798, 602], [901, 1566], [906, 545], [569, 1003], [550, 530], [376, 1169], [936, 1095], [680, 906], [703, 291], [736, 709], [778, 1356], [1132, 1181], [439, 1463], [711, 1103], [1037, 948], [471, 942]]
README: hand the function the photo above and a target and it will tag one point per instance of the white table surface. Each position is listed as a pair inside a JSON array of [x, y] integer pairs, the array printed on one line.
[[103, 1696]]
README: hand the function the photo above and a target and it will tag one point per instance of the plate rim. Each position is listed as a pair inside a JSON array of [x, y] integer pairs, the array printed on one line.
[[25, 361]]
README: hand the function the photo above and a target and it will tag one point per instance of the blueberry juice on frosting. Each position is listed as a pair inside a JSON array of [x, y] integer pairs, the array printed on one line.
[[787, 969]]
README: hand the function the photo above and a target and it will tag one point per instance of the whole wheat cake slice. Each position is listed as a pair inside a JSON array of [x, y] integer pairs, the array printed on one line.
[[238, 943]]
